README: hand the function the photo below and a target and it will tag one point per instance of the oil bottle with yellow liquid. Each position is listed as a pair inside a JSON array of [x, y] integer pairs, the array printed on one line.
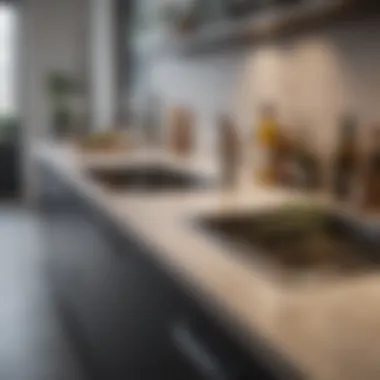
[[265, 144]]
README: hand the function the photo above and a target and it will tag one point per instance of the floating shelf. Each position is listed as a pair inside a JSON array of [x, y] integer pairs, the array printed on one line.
[[268, 23], [264, 24]]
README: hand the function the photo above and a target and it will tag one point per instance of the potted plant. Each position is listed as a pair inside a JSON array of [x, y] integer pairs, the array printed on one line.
[[60, 88], [8, 129]]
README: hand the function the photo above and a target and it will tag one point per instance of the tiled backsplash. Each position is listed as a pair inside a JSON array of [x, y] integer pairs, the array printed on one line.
[[311, 78]]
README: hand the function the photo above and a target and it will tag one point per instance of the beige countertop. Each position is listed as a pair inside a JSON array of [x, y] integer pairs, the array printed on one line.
[[327, 328]]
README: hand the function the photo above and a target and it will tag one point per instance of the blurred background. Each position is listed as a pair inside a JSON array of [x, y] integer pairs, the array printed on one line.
[[122, 120]]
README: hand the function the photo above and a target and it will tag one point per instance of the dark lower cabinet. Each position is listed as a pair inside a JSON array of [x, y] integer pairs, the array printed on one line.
[[128, 318], [116, 304]]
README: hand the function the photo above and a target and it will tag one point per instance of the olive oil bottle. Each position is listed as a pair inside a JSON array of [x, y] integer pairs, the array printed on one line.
[[265, 144]]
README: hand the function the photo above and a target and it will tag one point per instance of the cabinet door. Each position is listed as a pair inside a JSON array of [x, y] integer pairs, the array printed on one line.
[[114, 301], [62, 233], [125, 318]]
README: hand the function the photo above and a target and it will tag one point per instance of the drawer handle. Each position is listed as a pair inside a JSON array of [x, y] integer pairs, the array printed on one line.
[[199, 356]]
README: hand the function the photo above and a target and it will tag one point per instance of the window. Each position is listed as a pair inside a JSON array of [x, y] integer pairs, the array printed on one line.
[[7, 60]]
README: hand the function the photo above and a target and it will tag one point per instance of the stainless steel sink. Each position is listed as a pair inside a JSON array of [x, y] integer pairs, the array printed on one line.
[[320, 241], [147, 178]]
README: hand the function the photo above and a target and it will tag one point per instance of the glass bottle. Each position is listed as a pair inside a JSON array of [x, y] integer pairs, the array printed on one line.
[[346, 159], [307, 166], [182, 131], [230, 150], [265, 144], [372, 178]]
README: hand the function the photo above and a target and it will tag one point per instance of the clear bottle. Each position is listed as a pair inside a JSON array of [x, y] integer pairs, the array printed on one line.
[[283, 158], [307, 165], [230, 152]]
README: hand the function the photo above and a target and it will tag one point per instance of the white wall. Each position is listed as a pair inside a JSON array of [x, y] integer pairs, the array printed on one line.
[[102, 42], [53, 36], [8, 39], [311, 78], [54, 39]]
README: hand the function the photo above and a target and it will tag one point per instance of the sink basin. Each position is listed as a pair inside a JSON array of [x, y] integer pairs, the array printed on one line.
[[147, 178], [316, 241]]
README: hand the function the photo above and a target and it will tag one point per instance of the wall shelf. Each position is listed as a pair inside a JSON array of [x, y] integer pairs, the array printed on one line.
[[265, 24]]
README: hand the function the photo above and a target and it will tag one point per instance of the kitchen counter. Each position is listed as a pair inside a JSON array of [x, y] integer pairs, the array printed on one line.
[[328, 329]]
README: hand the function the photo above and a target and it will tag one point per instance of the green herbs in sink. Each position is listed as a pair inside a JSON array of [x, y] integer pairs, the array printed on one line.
[[298, 237]]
